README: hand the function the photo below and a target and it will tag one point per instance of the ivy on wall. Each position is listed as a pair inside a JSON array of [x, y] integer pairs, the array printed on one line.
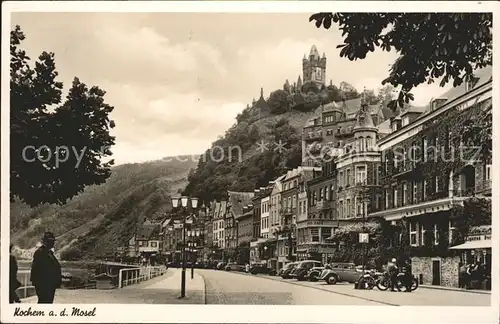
[[471, 128], [474, 212]]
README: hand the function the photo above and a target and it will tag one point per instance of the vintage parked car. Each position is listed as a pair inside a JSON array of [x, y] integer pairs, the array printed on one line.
[[336, 272], [287, 270], [262, 269], [221, 266], [303, 267], [234, 267], [314, 273]]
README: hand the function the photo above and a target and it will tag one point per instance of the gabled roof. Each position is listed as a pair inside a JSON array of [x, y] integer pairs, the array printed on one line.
[[223, 208], [166, 222], [148, 232], [483, 75], [237, 200]]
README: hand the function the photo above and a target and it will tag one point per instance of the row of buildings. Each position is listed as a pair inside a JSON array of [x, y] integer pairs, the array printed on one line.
[[357, 165]]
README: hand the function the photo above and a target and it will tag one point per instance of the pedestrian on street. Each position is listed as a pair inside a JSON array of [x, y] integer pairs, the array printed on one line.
[[392, 268], [247, 268], [408, 278], [464, 275], [13, 282], [46, 270]]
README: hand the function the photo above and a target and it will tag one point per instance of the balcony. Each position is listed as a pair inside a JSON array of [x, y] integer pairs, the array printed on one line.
[[313, 137], [467, 192], [343, 132], [324, 205], [286, 211]]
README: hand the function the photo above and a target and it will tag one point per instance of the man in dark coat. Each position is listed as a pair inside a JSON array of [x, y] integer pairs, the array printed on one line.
[[13, 282], [46, 270]]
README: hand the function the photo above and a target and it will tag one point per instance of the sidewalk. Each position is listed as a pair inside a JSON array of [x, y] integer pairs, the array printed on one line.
[[195, 286], [160, 290], [473, 291]]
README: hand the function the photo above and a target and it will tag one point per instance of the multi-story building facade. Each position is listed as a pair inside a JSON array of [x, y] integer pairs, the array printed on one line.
[[167, 238], [357, 166], [275, 211], [235, 203], [146, 240], [245, 233], [257, 238], [218, 237], [318, 217], [424, 176], [208, 233], [265, 205], [287, 233], [331, 125]]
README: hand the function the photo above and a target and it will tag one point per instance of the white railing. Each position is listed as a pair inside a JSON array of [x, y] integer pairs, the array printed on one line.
[[132, 276], [26, 286]]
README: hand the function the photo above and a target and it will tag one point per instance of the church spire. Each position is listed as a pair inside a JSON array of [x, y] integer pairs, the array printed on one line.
[[262, 92]]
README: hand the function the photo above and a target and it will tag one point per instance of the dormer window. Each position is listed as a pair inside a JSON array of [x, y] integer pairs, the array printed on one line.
[[471, 83], [438, 102]]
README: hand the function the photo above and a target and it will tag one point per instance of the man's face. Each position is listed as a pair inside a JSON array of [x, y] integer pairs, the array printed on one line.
[[49, 243]]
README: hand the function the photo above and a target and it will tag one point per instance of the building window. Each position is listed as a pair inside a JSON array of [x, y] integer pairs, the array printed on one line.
[[451, 231], [348, 208], [386, 199], [154, 244], [361, 174], [341, 209], [326, 232], [424, 189], [414, 196], [315, 234], [487, 173], [348, 177], [436, 235], [422, 234], [321, 194], [369, 143], [413, 234], [424, 148], [437, 184], [341, 178], [405, 193], [293, 202], [395, 197]]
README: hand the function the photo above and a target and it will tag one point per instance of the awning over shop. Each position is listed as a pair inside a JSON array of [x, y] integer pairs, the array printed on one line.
[[472, 245]]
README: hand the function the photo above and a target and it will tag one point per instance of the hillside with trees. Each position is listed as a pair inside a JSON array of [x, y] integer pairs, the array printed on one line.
[[102, 217], [281, 118]]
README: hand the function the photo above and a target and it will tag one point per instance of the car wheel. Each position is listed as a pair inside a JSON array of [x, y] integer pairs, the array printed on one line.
[[331, 280]]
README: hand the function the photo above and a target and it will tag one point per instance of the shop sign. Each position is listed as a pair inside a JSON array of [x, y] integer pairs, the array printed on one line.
[[363, 237], [478, 237]]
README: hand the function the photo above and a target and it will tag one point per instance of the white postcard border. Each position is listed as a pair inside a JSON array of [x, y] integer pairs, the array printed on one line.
[[257, 313]]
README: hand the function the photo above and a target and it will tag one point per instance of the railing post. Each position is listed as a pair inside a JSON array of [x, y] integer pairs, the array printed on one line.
[[120, 278]]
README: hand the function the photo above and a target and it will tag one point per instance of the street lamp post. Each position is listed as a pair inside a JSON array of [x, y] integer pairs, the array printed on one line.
[[184, 205], [194, 234]]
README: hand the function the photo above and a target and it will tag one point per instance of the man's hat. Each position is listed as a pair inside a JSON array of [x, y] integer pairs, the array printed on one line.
[[48, 236]]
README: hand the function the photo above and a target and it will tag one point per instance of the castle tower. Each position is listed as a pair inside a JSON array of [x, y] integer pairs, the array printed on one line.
[[286, 86], [365, 132], [314, 67]]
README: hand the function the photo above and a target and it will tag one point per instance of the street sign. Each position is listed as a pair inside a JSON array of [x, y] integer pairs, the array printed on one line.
[[363, 238]]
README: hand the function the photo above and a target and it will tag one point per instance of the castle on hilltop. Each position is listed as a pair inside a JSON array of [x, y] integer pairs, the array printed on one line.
[[313, 71]]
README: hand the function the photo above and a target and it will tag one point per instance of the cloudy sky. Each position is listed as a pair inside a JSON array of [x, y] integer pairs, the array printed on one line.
[[178, 80]]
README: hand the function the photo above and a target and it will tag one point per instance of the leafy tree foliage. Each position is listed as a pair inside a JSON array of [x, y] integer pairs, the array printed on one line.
[[279, 101], [431, 45], [348, 91], [46, 143]]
